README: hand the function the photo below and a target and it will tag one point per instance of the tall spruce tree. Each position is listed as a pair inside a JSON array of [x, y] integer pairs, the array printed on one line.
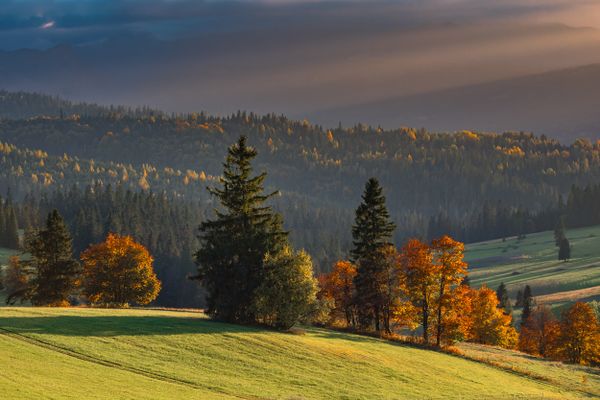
[[3, 234], [234, 244], [11, 228], [371, 232], [504, 299], [527, 305], [54, 271], [564, 250]]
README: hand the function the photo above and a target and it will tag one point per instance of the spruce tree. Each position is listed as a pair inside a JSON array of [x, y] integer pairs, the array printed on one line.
[[564, 251], [11, 229], [503, 298], [234, 244], [3, 234], [527, 305], [54, 270], [371, 232]]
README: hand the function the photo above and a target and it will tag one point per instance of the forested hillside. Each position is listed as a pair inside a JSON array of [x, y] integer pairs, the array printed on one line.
[[144, 173], [423, 172]]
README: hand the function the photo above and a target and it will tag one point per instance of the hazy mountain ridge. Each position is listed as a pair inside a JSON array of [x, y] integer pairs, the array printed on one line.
[[562, 103]]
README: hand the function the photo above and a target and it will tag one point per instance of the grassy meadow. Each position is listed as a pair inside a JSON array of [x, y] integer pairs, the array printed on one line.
[[154, 354], [533, 261]]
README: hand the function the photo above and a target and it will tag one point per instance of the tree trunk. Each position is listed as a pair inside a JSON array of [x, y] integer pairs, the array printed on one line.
[[438, 340]]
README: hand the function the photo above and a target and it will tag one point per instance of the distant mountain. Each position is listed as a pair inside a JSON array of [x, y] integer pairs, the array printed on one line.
[[562, 103]]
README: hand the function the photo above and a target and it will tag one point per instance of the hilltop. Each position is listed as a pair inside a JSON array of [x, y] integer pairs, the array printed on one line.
[[167, 354]]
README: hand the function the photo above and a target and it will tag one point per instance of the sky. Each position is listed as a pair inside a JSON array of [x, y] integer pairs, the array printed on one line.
[[293, 57], [45, 23]]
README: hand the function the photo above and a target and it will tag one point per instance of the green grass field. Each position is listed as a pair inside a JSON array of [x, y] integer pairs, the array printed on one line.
[[148, 354], [533, 261]]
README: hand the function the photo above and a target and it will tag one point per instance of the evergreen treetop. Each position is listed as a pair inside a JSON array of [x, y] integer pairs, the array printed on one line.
[[234, 244], [372, 228]]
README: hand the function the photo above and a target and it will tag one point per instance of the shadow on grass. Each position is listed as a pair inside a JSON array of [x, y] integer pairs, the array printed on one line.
[[118, 325]]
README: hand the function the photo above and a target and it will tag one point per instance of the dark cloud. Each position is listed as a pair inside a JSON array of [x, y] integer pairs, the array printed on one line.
[[80, 22], [294, 57]]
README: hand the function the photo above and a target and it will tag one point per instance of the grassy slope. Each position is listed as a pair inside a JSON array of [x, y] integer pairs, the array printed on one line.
[[573, 377], [160, 354], [533, 261]]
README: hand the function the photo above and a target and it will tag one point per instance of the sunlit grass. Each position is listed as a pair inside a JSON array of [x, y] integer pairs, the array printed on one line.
[[119, 353]]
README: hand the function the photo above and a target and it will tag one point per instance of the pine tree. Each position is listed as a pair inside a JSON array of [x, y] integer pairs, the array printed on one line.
[[527, 305], [372, 231], [564, 251], [11, 229], [55, 270], [234, 244], [519, 300], [372, 228], [3, 232], [504, 299]]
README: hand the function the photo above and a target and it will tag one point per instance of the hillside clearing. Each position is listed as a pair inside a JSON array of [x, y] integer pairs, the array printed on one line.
[[163, 354]]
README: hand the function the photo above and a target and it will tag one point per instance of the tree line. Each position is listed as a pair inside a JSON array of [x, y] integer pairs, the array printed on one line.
[[117, 272]]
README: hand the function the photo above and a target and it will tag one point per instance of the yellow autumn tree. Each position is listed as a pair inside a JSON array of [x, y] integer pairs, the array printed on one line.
[[580, 335], [450, 269], [419, 272], [119, 272], [457, 315], [489, 324]]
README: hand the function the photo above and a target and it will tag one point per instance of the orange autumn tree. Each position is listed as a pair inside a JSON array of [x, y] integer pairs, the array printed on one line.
[[580, 335], [339, 286], [392, 293], [540, 333], [119, 272], [450, 269], [457, 315], [489, 324], [420, 275]]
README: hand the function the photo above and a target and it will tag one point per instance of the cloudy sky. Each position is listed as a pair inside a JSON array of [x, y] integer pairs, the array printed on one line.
[[294, 57]]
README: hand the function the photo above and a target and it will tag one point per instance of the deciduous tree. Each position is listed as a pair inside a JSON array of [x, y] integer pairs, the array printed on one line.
[[119, 272], [489, 324], [288, 292], [15, 280], [580, 335], [450, 270], [421, 278], [540, 333], [339, 286]]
